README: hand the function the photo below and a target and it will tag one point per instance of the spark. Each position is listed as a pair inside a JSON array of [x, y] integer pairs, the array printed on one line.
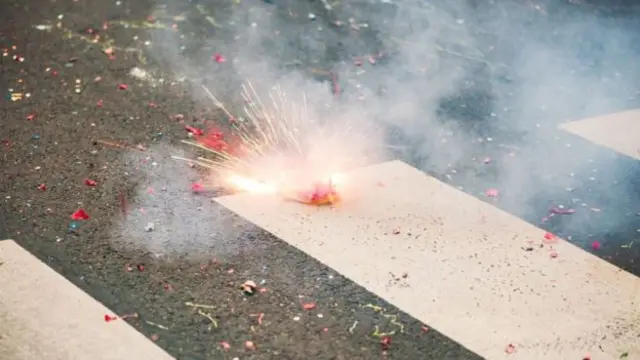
[[277, 147]]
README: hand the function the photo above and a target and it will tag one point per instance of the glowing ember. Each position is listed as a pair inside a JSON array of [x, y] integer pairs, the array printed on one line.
[[322, 194], [250, 185]]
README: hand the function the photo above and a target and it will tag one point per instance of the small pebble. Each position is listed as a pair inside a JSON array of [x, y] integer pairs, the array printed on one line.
[[149, 228]]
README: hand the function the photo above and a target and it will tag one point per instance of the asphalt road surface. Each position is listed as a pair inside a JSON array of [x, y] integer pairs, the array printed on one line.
[[74, 110]]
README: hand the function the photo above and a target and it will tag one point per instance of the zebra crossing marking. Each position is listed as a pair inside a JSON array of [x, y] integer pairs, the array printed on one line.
[[44, 316], [476, 273], [619, 131]]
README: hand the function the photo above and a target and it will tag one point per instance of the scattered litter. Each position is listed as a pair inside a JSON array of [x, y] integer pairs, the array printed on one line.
[[80, 214], [90, 182], [149, 227], [109, 318], [596, 245], [193, 130], [138, 73], [353, 326], [309, 306], [492, 193], [560, 210], [260, 316], [248, 287], [385, 343], [43, 27], [197, 187], [249, 345], [510, 349], [157, 325], [225, 345], [550, 238], [218, 58]]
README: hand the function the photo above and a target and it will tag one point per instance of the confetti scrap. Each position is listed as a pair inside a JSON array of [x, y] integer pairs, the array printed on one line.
[[197, 187], [260, 317], [309, 306], [80, 214], [492, 193], [157, 325], [550, 238], [193, 130], [510, 349], [385, 343], [393, 320], [218, 58], [198, 306], [248, 287], [214, 323], [353, 327]]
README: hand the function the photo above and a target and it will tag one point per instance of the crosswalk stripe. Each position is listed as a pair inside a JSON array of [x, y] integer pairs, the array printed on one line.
[[44, 316], [619, 131], [479, 275]]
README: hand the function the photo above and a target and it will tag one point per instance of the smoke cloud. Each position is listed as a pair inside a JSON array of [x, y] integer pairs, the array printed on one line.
[[470, 92]]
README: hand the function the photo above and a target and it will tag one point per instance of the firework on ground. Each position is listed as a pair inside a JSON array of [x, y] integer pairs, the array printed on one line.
[[280, 146]]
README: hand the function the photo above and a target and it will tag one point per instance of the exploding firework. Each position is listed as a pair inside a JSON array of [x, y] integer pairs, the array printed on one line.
[[279, 147]]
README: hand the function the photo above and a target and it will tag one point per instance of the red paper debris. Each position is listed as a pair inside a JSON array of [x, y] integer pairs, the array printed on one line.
[[225, 345], [596, 245], [80, 214], [193, 130], [385, 342], [90, 182], [492, 192], [309, 306], [510, 349], [549, 238], [31, 117], [249, 345], [109, 318], [42, 187], [214, 139], [140, 267], [123, 86], [123, 203], [336, 84], [218, 58], [100, 103], [197, 187]]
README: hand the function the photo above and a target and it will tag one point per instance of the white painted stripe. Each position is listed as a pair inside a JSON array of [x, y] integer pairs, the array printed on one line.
[[468, 273], [619, 131], [44, 316]]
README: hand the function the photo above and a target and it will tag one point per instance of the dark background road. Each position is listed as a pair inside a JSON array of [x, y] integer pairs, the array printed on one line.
[[66, 118]]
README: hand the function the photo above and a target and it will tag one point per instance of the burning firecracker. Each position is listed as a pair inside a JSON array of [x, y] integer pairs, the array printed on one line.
[[321, 194], [279, 149]]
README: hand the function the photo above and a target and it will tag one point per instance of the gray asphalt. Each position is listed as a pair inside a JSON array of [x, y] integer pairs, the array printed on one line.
[[498, 111]]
